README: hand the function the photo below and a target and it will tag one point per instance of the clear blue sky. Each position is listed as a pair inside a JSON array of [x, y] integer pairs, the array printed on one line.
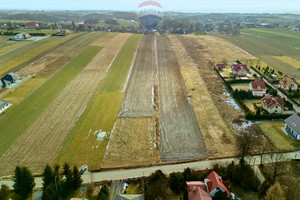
[[206, 6]]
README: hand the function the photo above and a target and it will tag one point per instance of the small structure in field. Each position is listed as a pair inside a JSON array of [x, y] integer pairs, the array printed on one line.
[[258, 88], [22, 36], [1, 84], [198, 190], [292, 126], [130, 197], [288, 83], [10, 78], [101, 135], [4, 105], [272, 104], [32, 25], [240, 69], [220, 67]]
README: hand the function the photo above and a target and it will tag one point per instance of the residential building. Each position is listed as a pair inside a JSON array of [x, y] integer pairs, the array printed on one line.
[[292, 126], [215, 183], [272, 104], [288, 83], [258, 88], [22, 36], [4, 105], [240, 69], [220, 66], [32, 25]]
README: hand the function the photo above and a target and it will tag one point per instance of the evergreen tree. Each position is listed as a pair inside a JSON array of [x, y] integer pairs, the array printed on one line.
[[4, 192], [176, 182], [23, 182], [50, 192], [156, 186], [48, 177], [76, 178]]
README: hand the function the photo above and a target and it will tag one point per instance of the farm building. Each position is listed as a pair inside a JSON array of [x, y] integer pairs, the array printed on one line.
[[198, 190], [258, 88], [240, 69], [22, 36], [32, 25], [288, 83], [4, 105], [1, 84], [130, 197], [220, 66], [10, 78], [272, 104], [292, 126]]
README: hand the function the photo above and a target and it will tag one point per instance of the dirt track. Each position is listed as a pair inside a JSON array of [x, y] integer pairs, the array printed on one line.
[[41, 142], [180, 136], [137, 101]]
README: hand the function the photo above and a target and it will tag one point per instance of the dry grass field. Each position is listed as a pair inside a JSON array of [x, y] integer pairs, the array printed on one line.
[[56, 122], [291, 61], [180, 136], [217, 135]]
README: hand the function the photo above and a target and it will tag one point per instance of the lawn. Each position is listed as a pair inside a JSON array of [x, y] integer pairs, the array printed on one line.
[[249, 103], [15, 122], [291, 61], [282, 142], [117, 75], [240, 86], [82, 146]]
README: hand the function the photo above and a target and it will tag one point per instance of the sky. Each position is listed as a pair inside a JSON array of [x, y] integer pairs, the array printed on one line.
[[204, 6]]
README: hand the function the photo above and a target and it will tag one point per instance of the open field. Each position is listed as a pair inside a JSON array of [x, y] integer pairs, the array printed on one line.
[[265, 48], [272, 130], [291, 61], [138, 98], [180, 135], [131, 146], [60, 117], [82, 147], [15, 122], [216, 134], [9, 45], [104, 40]]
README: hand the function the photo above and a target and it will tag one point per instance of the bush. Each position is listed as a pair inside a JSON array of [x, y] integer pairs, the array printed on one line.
[[156, 186], [176, 182]]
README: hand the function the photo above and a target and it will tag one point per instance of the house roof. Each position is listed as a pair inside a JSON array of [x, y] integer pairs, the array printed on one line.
[[258, 85], [238, 67], [220, 66], [32, 24], [191, 184], [214, 181], [287, 81], [271, 101], [13, 75], [197, 191], [3, 103], [294, 122]]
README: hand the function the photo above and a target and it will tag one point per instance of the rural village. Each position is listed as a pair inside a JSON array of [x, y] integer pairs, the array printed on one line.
[[126, 106]]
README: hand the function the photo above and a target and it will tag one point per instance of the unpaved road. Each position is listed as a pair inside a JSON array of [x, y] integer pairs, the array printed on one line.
[[180, 135]]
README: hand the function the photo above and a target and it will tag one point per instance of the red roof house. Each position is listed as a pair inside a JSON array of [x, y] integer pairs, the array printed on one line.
[[258, 88], [220, 66], [215, 183], [240, 69], [272, 104], [32, 25], [197, 191]]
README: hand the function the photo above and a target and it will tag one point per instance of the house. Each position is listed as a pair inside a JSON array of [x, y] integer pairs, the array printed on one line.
[[10, 78], [22, 36], [292, 126], [272, 104], [240, 69], [130, 197], [4, 105], [32, 25], [288, 83], [198, 190], [258, 88], [220, 66]]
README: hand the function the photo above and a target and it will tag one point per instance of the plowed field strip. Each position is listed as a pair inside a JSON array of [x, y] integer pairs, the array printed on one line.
[[137, 101], [44, 138], [180, 137]]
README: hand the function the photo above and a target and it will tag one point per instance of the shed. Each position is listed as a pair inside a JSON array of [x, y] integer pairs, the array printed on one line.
[[4, 105], [292, 126]]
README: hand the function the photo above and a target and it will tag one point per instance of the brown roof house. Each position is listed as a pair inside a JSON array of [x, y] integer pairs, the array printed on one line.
[[198, 190], [292, 126], [220, 66], [288, 83], [272, 104], [240, 69], [258, 88]]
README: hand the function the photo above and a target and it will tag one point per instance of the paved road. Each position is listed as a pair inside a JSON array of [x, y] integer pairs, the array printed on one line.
[[167, 169]]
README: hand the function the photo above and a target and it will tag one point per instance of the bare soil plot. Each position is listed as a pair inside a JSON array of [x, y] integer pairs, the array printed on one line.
[[180, 135], [41, 142], [138, 97], [132, 143], [218, 138]]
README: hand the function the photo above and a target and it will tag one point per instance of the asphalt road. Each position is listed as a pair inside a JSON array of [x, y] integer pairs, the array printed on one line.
[[167, 169]]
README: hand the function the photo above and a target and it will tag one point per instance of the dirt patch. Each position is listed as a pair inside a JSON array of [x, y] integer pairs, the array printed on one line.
[[217, 136], [132, 143], [138, 99], [41, 142], [180, 135]]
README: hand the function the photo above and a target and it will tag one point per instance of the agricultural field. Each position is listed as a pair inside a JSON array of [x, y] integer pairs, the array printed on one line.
[[38, 114], [273, 131], [216, 134], [9, 45], [180, 136], [264, 48], [291, 61]]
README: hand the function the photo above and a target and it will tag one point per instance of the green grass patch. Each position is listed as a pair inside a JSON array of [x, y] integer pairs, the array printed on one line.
[[273, 131], [117, 75], [82, 146], [15, 122], [240, 86], [6, 45], [291, 61]]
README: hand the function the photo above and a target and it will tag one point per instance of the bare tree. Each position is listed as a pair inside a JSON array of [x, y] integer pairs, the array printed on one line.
[[264, 147], [245, 142], [277, 165]]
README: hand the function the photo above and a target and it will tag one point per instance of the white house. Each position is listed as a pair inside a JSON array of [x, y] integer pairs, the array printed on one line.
[[288, 83], [4, 105], [258, 88], [240, 69], [292, 126], [22, 36], [272, 104]]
